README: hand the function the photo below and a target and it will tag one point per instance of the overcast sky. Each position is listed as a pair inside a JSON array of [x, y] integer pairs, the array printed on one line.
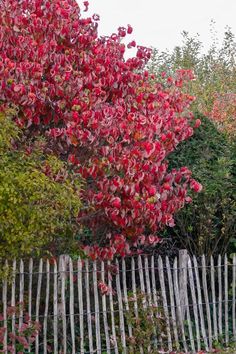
[[159, 23]]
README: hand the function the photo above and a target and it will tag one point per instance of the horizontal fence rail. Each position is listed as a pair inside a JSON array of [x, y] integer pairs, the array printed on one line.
[[135, 305]]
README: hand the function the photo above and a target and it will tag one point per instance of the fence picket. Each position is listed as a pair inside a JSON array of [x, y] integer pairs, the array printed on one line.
[[104, 311], [97, 315], [155, 298], [190, 325], [71, 307], [89, 319], [125, 294], [13, 300], [213, 291], [55, 308], [178, 305], [226, 300], [206, 298], [40, 274], [165, 305], [220, 296], [154, 290], [30, 288], [233, 299], [81, 306], [45, 321], [194, 303], [21, 297], [200, 307], [62, 301], [141, 278], [183, 258], [172, 303], [134, 287], [149, 296], [147, 278], [134, 290], [121, 312], [114, 340], [4, 302]]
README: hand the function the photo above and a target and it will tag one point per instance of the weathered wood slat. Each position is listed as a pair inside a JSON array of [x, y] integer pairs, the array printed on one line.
[[191, 338], [126, 294], [55, 308], [13, 301], [200, 305], [220, 295], [178, 305], [45, 321], [233, 298], [97, 314], [142, 286], [226, 299], [149, 297], [147, 279], [213, 292], [194, 303], [4, 302], [172, 303], [141, 278], [81, 306], [113, 327], [21, 297], [30, 288], [154, 290], [165, 305], [183, 259], [71, 307], [134, 293], [134, 289], [40, 274], [62, 303], [104, 311], [206, 297], [121, 312], [155, 298], [89, 318]]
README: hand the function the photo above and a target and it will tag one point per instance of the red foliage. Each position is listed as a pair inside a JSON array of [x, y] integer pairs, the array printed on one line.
[[24, 335], [224, 113], [102, 112], [104, 288]]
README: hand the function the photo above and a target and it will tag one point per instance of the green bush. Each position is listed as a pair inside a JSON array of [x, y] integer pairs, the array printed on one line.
[[39, 200], [208, 223]]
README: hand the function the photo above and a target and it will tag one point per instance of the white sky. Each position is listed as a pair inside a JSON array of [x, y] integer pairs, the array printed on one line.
[[159, 23]]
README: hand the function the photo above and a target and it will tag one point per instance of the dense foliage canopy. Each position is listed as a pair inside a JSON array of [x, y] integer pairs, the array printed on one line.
[[37, 211], [101, 113], [207, 225]]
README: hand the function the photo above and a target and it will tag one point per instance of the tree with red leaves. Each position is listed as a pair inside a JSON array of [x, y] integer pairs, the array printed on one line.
[[101, 112]]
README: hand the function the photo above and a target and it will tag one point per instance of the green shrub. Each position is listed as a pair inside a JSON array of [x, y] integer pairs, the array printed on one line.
[[208, 223], [39, 201]]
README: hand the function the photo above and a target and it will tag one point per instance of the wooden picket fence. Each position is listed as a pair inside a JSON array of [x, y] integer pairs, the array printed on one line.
[[195, 297]]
